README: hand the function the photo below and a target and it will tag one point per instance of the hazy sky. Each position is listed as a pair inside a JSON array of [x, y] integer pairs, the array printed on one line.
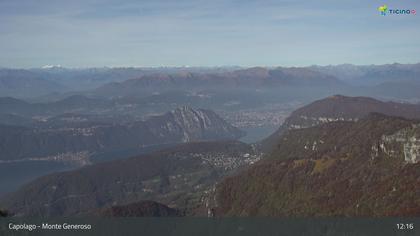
[[85, 33]]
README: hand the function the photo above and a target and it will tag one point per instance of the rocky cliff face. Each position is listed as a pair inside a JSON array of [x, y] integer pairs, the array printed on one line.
[[193, 124], [405, 142]]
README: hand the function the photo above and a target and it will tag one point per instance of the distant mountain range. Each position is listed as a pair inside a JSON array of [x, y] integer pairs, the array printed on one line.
[[74, 103], [391, 81], [368, 167], [109, 81], [52, 79], [399, 81], [180, 125], [373, 74], [14, 82], [36, 82], [257, 77]]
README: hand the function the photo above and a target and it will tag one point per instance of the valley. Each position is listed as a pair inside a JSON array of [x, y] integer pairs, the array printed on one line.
[[209, 142]]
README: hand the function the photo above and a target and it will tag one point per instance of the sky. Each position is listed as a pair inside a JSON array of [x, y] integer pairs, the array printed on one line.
[[97, 33]]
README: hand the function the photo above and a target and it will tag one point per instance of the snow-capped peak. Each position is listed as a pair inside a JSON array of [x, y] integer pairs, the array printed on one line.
[[51, 66]]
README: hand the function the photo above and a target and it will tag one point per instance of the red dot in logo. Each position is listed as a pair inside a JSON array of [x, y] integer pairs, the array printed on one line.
[[413, 12]]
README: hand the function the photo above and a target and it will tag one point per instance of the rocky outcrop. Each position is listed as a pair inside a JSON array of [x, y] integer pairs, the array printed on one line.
[[405, 142], [190, 124], [366, 168]]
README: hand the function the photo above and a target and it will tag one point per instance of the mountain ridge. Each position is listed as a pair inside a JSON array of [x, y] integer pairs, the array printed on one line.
[[365, 168], [181, 125], [339, 108]]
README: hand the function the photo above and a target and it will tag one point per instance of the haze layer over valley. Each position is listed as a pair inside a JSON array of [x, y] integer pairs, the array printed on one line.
[[55, 119]]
